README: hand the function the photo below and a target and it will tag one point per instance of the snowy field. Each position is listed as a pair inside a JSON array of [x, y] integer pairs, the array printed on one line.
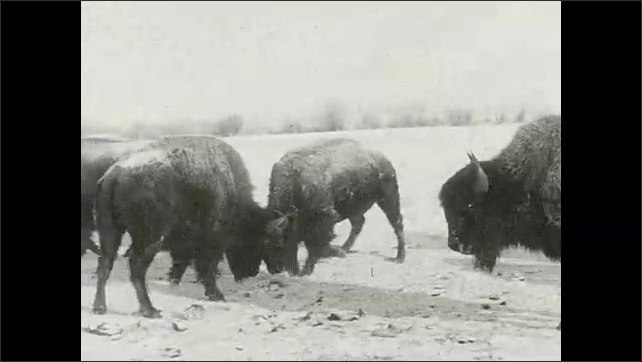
[[432, 307]]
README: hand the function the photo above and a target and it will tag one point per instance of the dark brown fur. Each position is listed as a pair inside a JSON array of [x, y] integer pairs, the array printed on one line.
[[514, 199], [325, 183], [198, 184], [96, 156]]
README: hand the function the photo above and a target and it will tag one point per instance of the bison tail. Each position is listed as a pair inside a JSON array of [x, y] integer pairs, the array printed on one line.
[[105, 200]]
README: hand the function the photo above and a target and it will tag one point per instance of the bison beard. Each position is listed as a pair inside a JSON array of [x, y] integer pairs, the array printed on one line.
[[514, 199], [156, 192], [322, 184]]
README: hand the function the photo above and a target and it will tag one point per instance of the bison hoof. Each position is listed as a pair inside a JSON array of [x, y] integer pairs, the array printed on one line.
[[339, 252], [151, 313], [292, 272], [398, 260], [335, 252], [99, 309], [216, 297]]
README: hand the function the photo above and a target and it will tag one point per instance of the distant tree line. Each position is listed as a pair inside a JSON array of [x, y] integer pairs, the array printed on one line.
[[332, 118]]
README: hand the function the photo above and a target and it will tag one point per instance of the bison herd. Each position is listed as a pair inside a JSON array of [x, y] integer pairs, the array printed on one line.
[[193, 197]]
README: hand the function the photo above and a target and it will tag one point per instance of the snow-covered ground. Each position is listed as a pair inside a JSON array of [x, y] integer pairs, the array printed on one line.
[[432, 307]]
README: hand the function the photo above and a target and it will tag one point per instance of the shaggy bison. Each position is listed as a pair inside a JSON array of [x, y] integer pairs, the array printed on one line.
[[324, 183], [97, 154], [513, 199], [183, 234], [182, 184]]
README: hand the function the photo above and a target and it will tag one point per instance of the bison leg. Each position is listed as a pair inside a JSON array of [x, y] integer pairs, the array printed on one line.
[[180, 261], [206, 267], [139, 262], [93, 247], [291, 261], [357, 225], [315, 252], [390, 207], [110, 240], [182, 246], [486, 258], [177, 270]]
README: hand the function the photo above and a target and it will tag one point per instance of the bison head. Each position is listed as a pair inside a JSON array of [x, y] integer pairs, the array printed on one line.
[[281, 224], [462, 198], [251, 245], [244, 259]]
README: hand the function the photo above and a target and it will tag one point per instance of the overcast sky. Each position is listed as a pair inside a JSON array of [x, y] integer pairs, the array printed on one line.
[[159, 61]]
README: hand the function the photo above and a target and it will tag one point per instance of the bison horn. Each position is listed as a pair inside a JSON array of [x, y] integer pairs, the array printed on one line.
[[278, 225], [472, 157], [481, 181]]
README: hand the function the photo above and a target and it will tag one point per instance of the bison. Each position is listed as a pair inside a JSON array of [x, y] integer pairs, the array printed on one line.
[[97, 154], [512, 199], [183, 184], [322, 184], [183, 234]]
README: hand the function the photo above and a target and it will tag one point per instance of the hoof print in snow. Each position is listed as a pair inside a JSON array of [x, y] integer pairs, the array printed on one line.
[[276, 283], [389, 332], [277, 328], [383, 334], [485, 306], [334, 317], [360, 313], [178, 328], [171, 352], [194, 311], [306, 317], [494, 297], [503, 302], [102, 330], [466, 340]]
